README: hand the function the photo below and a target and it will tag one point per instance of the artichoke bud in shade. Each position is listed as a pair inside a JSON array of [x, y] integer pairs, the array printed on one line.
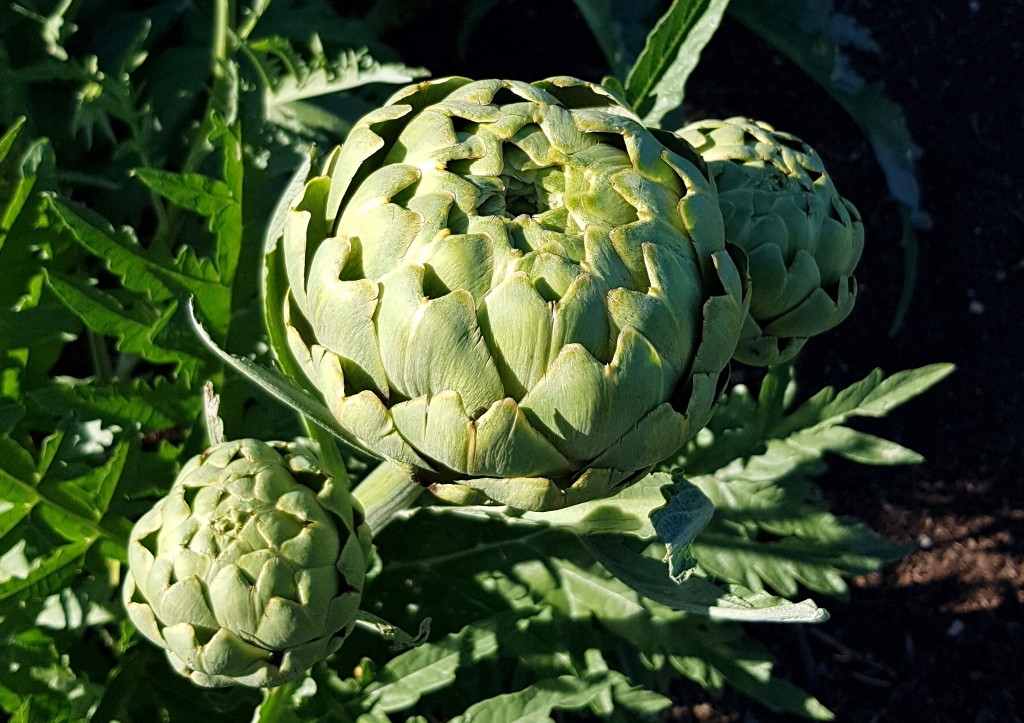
[[803, 240], [514, 292], [251, 569]]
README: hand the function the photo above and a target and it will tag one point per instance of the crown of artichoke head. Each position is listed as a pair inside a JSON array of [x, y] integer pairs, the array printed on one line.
[[250, 570], [803, 240], [514, 291]]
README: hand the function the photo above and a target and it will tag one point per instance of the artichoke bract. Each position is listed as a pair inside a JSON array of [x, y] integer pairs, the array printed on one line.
[[251, 569], [802, 239], [515, 292]]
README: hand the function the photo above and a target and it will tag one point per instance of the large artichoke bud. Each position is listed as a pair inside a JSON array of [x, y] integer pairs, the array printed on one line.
[[515, 292], [250, 570], [803, 240]]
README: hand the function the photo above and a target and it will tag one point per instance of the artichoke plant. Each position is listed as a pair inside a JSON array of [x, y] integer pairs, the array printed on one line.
[[803, 240], [514, 292], [251, 569]]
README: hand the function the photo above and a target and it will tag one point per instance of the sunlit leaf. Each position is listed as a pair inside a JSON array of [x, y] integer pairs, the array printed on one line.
[[657, 81]]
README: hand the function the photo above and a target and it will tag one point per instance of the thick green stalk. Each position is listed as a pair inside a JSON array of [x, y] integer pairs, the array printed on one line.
[[384, 493]]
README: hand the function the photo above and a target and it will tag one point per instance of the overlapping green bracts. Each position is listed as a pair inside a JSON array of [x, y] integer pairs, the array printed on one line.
[[513, 291], [803, 240], [250, 570]]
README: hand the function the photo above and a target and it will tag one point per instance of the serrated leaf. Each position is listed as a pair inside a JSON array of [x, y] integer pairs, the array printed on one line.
[[432, 666], [17, 501], [47, 575], [455, 573], [69, 509], [484, 539], [657, 81], [16, 460], [122, 255], [742, 428], [535, 703], [873, 396], [707, 649], [88, 494], [159, 405], [695, 594], [138, 273], [816, 548], [220, 201], [740, 424], [351, 69], [136, 327], [780, 565], [854, 445], [902, 387], [208, 197]]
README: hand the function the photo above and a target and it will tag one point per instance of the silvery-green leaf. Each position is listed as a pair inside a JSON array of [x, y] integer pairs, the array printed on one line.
[[687, 513]]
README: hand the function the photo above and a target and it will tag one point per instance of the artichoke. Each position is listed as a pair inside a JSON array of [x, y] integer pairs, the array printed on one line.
[[515, 292], [250, 570], [803, 240]]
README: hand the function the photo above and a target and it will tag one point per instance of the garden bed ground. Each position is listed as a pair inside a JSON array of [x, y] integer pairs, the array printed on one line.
[[938, 636]]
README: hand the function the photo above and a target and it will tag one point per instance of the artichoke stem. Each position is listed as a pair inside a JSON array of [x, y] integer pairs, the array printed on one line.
[[384, 493]]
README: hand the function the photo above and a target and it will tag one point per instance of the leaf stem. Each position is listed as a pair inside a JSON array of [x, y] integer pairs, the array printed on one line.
[[139, 141], [101, 362], [219, 56], [220, 25], [255, 13], [255, 61], [384, 493]]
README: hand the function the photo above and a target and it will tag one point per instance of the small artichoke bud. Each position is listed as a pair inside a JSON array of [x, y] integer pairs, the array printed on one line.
[[803, 240], [251, 569]]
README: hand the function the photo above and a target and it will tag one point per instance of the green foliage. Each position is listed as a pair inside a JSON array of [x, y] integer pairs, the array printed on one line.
[[57, 507], [141, 164], [756, 462], [656, 83]]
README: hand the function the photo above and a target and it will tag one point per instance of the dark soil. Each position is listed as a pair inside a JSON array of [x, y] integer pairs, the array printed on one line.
[[938, 636]]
